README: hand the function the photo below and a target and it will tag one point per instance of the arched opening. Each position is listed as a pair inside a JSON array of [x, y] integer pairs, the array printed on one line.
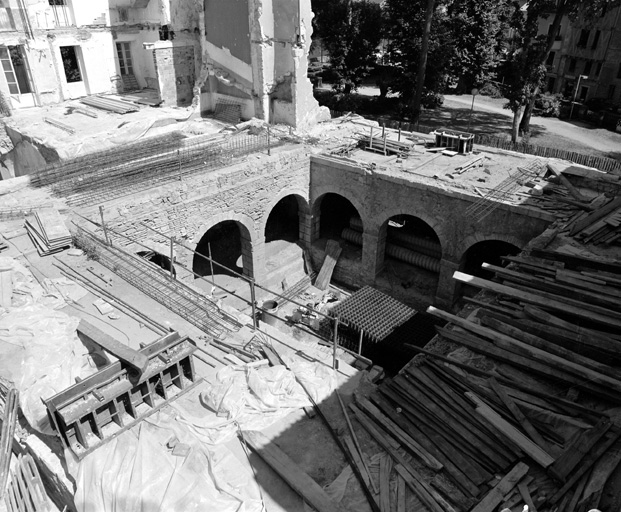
[[284, 252], [225, 242], [158, 259], [412, 254], [336, 213], [488, 251], [332, 216], [283, 222]]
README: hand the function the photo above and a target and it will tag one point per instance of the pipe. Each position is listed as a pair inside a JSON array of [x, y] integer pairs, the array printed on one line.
[[399, 253]]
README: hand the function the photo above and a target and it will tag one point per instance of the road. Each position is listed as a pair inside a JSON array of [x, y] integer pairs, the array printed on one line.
[[598, 138]]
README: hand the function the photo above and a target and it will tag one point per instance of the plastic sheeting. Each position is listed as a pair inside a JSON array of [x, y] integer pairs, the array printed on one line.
[[136, 472], [255, 398], [42, 355]]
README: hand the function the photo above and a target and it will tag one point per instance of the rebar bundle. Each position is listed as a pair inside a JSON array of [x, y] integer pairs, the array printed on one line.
[[113, 173]]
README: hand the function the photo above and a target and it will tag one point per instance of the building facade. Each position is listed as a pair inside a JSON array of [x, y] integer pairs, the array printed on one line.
[[249, 53], [586, 57]]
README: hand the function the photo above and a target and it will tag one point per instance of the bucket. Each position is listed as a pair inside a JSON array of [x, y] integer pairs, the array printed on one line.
[[270, 308], [6, 285]]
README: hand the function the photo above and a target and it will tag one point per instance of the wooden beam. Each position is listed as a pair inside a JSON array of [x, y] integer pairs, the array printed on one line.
[[519, 415], [531, 449], [384, 495], [538, 300], [290, 472], [129, 356], [516, 346], [525, 493], [495, 496]]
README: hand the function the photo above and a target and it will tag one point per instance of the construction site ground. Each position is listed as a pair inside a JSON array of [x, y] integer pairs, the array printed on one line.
[[293, 434]]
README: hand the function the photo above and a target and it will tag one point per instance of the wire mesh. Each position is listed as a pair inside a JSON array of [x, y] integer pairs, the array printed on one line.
[[110, 174]]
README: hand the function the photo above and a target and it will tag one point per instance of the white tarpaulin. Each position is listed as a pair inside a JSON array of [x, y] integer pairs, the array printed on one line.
[[137, 472], [255, 398]]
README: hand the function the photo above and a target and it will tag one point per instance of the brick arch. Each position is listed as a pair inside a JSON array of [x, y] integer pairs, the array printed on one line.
[[431, 221], [320, 192], [247, 231], [303, 206], [471, 240]]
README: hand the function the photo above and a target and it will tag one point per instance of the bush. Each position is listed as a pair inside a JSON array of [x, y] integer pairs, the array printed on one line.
[[548, 105], [490, 89]]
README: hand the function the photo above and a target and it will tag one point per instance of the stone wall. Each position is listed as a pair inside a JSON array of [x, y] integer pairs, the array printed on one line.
[[175, 69], [245, 192], [380, 196]]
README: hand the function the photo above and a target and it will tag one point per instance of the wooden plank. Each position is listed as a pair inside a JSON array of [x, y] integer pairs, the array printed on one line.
[[569, 331], [458, 449], [333, 251], [601, 473], [539, 300], [426, 493], [587, 463], [355, 440], [359, 463], [528, 364], [462, 480], [401, 496], [132, 357], [525, 493], [573, 260], [495, 496], [409, 442], [531, 449], [507, 328], [571, 505], [519, 415], [463, 409], [560, 292], [595, 216], [419, 489], [299, 481], [577, 450], [457, 423], [516, 346], [385, 469], [554, 168]]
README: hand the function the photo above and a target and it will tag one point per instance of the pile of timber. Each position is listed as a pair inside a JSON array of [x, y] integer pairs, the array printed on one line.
[[380, 143], [601, 225], [47, 230], [110, 104], [552, 336]]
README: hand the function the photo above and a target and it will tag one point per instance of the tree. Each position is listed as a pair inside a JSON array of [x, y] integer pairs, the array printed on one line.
[[350, 32], [540, 46], [464, 46]]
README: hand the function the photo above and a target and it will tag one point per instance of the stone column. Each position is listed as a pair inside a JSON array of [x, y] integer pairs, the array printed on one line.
[[446, 292], [254, 259], [306, 229]]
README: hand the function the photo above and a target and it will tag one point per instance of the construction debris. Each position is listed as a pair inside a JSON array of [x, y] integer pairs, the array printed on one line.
[[110, 104], [47, 231]]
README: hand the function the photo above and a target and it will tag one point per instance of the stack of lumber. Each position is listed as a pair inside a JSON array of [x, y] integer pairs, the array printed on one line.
[[602, 225], [110, 104], [384, 145], [47, 231], [333, 251], [552, 337]]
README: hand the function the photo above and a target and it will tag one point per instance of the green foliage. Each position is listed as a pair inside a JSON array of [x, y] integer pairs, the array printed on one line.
[[490, 89], [350, 32], [467, 42], [548, 105]]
